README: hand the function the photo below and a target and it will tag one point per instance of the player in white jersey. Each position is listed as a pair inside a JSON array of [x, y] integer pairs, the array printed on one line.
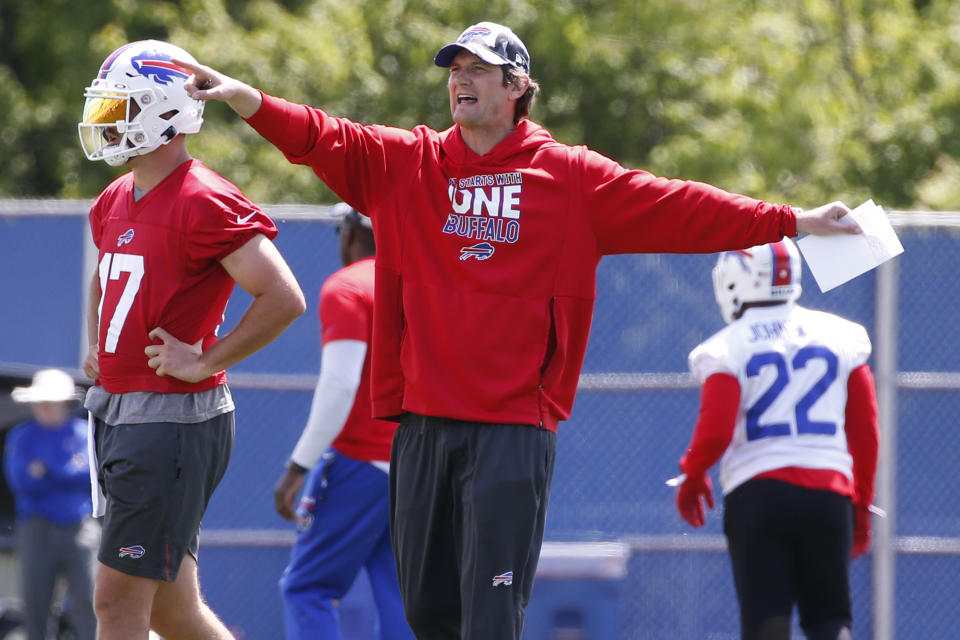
[[788, 401]]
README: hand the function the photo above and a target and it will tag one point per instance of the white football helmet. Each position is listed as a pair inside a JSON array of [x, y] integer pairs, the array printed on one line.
[[764, 273], [137, 103]]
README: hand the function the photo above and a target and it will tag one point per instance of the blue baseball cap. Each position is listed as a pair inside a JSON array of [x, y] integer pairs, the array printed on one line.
[[491, 42]]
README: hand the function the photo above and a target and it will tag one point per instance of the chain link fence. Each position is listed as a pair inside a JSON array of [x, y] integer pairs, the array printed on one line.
[[619, 562]]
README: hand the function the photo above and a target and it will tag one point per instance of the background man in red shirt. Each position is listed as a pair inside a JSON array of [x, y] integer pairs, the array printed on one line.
[[173, 238], [344, 514], [488, 239]]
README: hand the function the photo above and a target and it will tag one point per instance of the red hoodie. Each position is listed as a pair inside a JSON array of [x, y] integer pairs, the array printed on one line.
[[486, 265]]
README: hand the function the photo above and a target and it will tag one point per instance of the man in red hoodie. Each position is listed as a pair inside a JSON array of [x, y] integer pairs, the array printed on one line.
[[488, 238]]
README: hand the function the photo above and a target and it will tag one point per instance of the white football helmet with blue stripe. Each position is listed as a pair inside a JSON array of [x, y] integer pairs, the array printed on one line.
[[764, 273], [137, 102]]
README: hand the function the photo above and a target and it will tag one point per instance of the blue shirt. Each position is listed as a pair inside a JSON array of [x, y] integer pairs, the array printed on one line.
[[62, 493]]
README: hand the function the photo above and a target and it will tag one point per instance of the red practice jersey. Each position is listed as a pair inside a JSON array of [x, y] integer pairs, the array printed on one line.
[[346, 313], [160, 266]]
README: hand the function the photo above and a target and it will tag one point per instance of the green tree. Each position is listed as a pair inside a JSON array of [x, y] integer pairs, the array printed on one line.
[[800, 101]]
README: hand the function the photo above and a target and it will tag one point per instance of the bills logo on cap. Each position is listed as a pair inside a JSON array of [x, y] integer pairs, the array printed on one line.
[[476, 32], [125, 238], [158, 66]]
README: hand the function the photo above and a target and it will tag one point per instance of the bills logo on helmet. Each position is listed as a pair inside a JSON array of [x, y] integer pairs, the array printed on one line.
[[158, 66], [136, 552], [125, 238], [480, 251]]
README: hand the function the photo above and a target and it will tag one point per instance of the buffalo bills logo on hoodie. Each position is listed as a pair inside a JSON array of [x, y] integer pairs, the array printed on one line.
[[480, 251]]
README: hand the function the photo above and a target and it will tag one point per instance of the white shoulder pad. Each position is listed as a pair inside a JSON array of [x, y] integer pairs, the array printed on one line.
[[712, 356], [858, 345]]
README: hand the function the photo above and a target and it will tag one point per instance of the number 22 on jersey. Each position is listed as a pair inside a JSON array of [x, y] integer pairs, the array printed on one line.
[[112, 265], [786, 381]]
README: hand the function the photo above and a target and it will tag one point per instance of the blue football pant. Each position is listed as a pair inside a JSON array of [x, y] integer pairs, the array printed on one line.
[[344, 523]]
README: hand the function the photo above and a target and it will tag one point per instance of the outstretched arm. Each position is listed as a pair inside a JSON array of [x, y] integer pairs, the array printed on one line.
[[632, 211], [363, 164]]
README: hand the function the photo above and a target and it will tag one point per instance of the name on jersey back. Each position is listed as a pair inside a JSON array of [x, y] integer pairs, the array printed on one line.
[[775, 330]]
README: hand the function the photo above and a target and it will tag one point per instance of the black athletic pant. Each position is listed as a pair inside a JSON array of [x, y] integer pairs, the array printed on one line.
[[467, 507], [790, 545]]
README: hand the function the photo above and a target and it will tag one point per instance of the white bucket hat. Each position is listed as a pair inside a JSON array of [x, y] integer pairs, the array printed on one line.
[[49, 385]]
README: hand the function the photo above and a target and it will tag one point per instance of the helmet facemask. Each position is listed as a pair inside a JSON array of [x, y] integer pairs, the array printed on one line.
[[110, 130]]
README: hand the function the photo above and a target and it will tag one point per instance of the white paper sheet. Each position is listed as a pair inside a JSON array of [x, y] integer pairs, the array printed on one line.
[[838, 258]]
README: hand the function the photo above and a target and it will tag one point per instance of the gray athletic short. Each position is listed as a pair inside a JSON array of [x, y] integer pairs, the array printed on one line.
[[157, 479]]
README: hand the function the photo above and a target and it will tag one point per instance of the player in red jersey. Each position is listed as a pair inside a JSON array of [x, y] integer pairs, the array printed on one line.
[[344, 515], [173, 238], [788, 400], [488, 239]]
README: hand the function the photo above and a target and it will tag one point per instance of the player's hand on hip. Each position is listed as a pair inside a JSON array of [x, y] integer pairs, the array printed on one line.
[[825, 220], [175, 358], [861, 530], [91, 364], [691, 496], [209, 84], [285, 493]]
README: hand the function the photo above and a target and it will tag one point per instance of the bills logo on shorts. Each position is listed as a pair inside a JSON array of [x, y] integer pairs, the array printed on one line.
[[136, 552], [505, 579], [125, 238], [480, 251]]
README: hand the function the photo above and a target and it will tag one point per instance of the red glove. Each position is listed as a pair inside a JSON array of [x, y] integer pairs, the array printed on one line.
[[688, 499], [861, 530]]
